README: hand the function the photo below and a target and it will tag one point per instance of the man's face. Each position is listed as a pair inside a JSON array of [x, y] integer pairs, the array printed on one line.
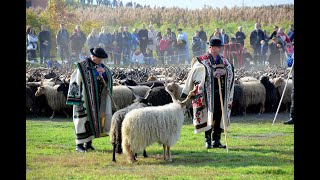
[[215, 49], [96, 59]]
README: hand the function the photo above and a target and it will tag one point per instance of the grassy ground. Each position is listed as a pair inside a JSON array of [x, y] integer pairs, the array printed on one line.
[[257, 150]]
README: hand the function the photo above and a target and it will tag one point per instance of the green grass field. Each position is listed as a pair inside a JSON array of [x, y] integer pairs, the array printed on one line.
[[257, 150]]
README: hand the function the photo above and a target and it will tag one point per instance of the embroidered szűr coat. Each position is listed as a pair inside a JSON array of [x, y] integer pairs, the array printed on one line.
[[201, 78], [91, 100]]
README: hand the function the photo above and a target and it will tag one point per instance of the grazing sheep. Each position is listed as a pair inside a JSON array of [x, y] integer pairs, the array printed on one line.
[[254, 93], [148, 125], [272, 97], [279, 83], [116, 124], [55, 99]]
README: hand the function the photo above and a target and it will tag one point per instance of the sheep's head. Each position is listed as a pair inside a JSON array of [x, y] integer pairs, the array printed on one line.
[[278, 81], [40, 91]]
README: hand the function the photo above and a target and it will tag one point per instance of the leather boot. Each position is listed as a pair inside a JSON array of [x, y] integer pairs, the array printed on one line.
[[290, 121], [216, 136], [89, 146], [208, 139], [80, 148]]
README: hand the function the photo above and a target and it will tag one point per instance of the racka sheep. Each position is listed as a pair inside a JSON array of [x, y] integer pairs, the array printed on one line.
[[116, 124], [238, 101], [279, 83], [123, 95], [55, 99], [272, 97], [254, 94], [148, 125]]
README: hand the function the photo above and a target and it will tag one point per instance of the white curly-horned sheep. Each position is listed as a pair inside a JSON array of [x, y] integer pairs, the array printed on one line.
[[116, 124], [157, 124], [56, 100]]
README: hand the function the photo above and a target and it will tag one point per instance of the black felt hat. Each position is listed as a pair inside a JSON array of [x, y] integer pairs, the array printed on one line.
[[215, 42], [99, 53]]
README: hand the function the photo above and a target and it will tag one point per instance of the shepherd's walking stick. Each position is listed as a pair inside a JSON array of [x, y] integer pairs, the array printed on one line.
[[285, 86], [222, 111]]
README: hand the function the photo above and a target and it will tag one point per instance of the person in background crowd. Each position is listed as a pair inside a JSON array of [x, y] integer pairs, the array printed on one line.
[[255, 37], [62, 40], [148, 58], [275, 31], [184, 37], [32, 45], [116, 53], [90, 94], [276, 48], [137, 57], [263, 49], [172, 39], [93, 39], [163, 46], [224, 37], [196, 44], [143, 38], [203, 38], [126, 43], [152, 39], [247, 58], [240, 36], [291, 32], [134, 41], [45, 44]]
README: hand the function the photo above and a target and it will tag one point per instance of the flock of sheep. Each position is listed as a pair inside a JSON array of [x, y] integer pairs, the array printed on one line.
[[146, 110]]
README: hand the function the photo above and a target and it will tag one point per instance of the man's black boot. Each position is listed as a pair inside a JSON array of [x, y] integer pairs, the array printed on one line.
[[208, 139], [291, 121], [216, 140], [89, 146], [80, 148]]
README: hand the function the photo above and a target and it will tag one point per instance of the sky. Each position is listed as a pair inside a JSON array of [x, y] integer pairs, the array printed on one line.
[[195, 4]]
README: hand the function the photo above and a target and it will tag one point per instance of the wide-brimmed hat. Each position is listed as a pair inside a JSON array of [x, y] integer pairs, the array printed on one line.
[[215, 42], [99, 53]]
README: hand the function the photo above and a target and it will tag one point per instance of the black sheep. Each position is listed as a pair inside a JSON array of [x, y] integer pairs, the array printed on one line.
[[238, 99], [272, 97]]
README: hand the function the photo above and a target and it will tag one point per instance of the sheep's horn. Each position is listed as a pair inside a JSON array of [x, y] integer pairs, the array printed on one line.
[[191, 93]]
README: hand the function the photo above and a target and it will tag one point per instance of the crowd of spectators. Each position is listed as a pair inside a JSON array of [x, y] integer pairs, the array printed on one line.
[[125, 47]]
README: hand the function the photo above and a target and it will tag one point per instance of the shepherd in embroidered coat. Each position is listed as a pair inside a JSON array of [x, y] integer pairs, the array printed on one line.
[[203, 76], [90, 94]]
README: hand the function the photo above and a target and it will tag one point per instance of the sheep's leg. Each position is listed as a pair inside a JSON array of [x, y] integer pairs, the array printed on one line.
[[145, 153], [169, 154], [53, 114], [114, 152], [164, 152], [66, 113]]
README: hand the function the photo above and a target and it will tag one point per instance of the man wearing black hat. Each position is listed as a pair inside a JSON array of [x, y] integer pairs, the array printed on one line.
[[203, 76], [90, 92]]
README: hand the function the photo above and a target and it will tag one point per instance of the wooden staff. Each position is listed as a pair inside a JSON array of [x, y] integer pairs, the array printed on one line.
[[285, 86], [222, 111]]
